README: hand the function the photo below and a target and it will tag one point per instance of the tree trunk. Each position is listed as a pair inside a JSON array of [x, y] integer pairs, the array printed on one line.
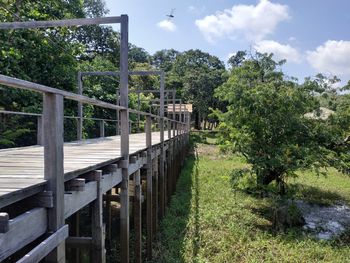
[[197, 121], [265, 177]]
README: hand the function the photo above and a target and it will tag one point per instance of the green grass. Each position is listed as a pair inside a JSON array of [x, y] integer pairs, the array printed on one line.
[[207, 221]]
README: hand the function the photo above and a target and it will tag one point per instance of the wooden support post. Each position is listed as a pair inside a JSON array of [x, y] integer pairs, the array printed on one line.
[[98, 240], [53, 166], [149, 187], [137, 217], [76, 233], [155, 195], [124, 140], [4, 222], [80, 109], [39, 134], [108, 216]]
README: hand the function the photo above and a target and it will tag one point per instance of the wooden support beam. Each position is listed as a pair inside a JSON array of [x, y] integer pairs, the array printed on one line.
[[79, 242], [53, 166], [46, 246], [76, 184], [149, 187], [98, 241], [42, 199], [74, 201], [23, 230]]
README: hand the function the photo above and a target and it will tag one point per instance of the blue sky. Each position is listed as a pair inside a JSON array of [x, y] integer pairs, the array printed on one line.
[[313, 35]]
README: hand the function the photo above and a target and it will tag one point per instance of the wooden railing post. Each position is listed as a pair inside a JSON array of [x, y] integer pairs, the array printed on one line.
[[53, 166], [80, 109], [124, 141], [149, 186], [102, 128], [39, 134], [169, 129]]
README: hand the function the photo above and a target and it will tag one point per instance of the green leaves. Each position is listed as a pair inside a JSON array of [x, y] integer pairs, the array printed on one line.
[[265, 119]]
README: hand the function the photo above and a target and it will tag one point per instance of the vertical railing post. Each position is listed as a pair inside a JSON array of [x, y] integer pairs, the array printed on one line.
[[169, 129], [124, 140], [39, 133], [118, 114], [149, 186], [102, 128], [53, 166], [138, 114], [162, 158], [80, 109], [174, 116]]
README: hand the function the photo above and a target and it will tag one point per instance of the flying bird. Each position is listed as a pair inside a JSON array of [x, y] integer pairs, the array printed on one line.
[[171, 15]]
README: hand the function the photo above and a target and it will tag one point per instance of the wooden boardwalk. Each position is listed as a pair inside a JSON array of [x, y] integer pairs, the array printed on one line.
[[22, 169], [42, 189]]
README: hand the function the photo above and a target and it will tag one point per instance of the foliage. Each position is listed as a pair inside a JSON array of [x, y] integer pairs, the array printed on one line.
[[265, 122]]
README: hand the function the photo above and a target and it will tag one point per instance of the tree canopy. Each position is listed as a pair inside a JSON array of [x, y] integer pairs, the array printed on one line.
[[265, 121]]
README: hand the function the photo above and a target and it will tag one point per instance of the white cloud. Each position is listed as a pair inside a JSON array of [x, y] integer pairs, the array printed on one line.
[[253, 22], [167, 25], [279, 51], [331, 57]]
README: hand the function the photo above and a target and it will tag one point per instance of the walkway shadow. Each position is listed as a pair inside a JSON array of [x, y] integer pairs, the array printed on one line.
[[174, 226]]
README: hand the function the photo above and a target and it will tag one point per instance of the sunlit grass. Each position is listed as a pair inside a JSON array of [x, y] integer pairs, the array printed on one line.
[[208, 221]]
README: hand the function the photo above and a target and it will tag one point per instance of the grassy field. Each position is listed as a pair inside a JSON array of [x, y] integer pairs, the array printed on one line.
[[207, 221]]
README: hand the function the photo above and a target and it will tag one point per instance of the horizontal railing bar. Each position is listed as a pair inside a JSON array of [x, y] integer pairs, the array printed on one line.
[[27, 85], [61, 23], [20, 113], [88, 118], [116, 73], [149, 91]]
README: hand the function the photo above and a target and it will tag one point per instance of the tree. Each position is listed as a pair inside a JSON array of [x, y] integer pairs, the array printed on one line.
[[198, 74], [164, 59], [265, 121]]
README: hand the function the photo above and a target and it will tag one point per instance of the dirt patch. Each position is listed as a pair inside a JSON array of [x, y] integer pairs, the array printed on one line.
[[212, 151]]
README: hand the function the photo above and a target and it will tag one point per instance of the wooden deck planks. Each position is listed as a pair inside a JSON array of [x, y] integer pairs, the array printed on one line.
[[22, 169]]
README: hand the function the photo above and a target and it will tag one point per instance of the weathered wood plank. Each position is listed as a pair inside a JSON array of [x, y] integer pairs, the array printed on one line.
[[46, 246], [60, 23], [19, 234], [74, 201], [53, 166]]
